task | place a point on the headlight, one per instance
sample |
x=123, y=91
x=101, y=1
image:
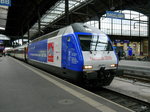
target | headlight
x=114, y=65
x=87, y=67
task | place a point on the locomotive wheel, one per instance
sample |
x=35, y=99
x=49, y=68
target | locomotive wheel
x=90, y=84
x=106, y=78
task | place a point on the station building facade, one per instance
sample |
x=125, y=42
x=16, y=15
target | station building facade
x=130, y=33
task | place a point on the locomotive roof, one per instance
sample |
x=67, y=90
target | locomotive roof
x=81, y=27
x=76, y=27
x=22, y=46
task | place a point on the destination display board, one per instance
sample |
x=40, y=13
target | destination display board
x=5, y=2
x=115, y=15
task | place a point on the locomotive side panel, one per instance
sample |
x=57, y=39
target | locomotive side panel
x=72, y=58
x=54, y=51
x=37, y=51
x=46, y=51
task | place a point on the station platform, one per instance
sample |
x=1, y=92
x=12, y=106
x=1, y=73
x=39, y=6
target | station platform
x=138, y=90
x=136, y=64
x=24, y=88
x=140, y=68
x=133, y=88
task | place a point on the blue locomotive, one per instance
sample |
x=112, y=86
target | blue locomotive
x=78, y=52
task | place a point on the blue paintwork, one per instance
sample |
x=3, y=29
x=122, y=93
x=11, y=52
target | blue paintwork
x=72, y=57
x=130, y=53
x=38, y=51
x=5, y=2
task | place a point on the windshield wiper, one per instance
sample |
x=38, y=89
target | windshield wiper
x=96, y=42
x=109, y=47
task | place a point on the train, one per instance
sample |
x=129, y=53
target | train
x=76, y=52
x=1, y=53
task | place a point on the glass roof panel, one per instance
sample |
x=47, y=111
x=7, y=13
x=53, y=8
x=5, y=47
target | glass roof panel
x=3, y=16
x=57, y=10
x=46, y=20
x=44, y=23
x=4, y=37
x=62, y=5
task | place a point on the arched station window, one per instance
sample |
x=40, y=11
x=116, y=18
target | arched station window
x=134, y=24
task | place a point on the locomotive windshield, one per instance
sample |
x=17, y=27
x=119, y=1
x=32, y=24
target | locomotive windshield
x=95, y=43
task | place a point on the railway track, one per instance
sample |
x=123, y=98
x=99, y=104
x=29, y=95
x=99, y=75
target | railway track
x=126, y=101
x=136, y=78
x=121, y=99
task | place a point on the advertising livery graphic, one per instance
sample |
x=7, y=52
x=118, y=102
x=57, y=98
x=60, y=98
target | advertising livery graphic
x=38, y=51
x=51, y=52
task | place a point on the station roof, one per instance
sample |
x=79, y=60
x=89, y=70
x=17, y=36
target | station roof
x=3, y=17
x=23, y=14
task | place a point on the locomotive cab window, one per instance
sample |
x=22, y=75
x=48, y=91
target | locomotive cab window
x=95, y=43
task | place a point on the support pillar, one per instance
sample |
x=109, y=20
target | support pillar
x=141, y=53
x=149, y=37
x=39, y=22
x=22, y=39
x=22, y=35
x=28, y=34
x=99, y=22
x=111, y=26
x=18, y=41
x=11, y=43
x=67, y=12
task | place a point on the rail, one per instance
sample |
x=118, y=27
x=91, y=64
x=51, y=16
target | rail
x=126, y=101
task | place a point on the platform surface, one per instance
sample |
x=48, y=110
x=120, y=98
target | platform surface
x=136, y=64
x=24, y=88
x=131, y=88
x=140, y=68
